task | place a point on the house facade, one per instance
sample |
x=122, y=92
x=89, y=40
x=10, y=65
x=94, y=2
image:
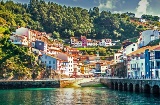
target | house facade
x=41, y=45
x=84, y=41
x=19, y=40
x=49, y=61
x=144, y=62
x=68, y=58
x=117, y=57
x=148, y=36
x=129, y=49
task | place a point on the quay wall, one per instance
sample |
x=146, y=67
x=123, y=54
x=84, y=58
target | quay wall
x=18, y=84
x=29, y=84
x=133, y=85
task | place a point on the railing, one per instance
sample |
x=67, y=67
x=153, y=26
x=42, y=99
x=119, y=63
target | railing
x=155, y=67
x=131, y=78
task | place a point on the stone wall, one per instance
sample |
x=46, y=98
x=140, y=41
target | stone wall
x=29, y=84
x=133, y=85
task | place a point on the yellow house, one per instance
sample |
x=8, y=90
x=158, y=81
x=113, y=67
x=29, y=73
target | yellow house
x=84, y=69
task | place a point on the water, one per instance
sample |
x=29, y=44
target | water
x=74, y=96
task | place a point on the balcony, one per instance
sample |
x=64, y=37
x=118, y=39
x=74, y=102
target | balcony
x=135, y=69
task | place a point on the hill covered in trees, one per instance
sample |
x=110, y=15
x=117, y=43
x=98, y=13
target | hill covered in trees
x=64, y=22
x=16, y=62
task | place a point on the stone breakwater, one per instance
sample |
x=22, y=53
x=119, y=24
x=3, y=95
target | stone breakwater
x=18, y=84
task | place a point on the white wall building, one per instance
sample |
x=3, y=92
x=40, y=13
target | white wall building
x=148, y=36
x=69, y=59
x=117, y=57
x=129, y=49
x=19, y=40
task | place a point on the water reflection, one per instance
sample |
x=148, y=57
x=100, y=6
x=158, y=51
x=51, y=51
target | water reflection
x=74, y=96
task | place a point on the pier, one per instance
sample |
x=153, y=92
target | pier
x=133, y=85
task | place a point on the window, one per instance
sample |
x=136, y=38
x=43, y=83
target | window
x=53, y=62
x=45, y=61
x=49, y=62
x=132, y=49
x=133, y=44
x=46, y=57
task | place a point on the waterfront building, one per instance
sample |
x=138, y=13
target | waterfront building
x=155, y=62
x=144, y=62
x=68, y=58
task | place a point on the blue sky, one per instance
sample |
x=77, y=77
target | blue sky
x=137, y=6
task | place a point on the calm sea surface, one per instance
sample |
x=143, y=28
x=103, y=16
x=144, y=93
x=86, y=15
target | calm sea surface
x=74, y=96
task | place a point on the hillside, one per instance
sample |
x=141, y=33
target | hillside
x=16, y=61
x=64, y=22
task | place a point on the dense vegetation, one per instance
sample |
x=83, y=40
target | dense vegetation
x=64, y=22
x=154, y=42
x=15, y=61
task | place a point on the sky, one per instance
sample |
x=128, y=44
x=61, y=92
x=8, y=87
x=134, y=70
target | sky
x=139, y=7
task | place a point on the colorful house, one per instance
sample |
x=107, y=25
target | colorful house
x=49, y=61
x=84, y=41
x=40, y=45
x=144, y=62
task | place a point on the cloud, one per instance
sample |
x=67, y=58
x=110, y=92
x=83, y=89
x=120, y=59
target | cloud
x=107, y=4
x=142, y=8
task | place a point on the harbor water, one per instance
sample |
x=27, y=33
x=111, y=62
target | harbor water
x=74, y=96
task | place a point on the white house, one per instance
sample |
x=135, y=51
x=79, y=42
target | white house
x=19, y=40
x=117, y=57
x=129, y=49
x=148, y=36
x=68, y=58
x=144, y=62
x=102, y=42
x=92, y=42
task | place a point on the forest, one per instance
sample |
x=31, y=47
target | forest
x=65, y=21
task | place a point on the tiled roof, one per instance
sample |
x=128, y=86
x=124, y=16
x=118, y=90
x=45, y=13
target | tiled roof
x=141, y=50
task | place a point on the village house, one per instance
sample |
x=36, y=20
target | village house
x=92, y=42
x=117, y=57
x=129, y=49
x=147, y=36
x=49, y=61
x=19, y=40
x=105, y=42
x=40, y=45
x=144, y=62
x=68, y=58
